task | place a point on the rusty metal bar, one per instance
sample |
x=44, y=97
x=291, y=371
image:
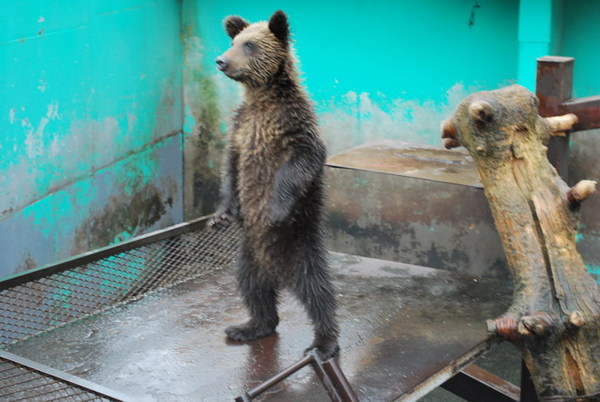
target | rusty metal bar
x=340, y=382
x=476, y=384
x=329, y=372
x=586, y=109
x=333, y=379
x=285, y=373
x=554, y=85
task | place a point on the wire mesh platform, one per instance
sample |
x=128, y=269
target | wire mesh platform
x=25, y=380
x=32, y=304
x=405, y=329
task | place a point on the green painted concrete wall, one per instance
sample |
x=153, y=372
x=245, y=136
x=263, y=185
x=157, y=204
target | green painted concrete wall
x=90, y=123
x=393, y=70
x=114, y=118
x=383, y=69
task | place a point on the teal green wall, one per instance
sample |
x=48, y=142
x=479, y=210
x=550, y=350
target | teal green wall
x=375, y=70
x=383, y=69
x=90, y=116
x=395, y=70
x=114, y=118
x=581, y=39
x=540, y=28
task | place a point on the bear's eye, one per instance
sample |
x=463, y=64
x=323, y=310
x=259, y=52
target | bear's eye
x=249, y=45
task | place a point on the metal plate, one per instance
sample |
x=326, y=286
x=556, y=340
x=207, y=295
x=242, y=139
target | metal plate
x=405, y=330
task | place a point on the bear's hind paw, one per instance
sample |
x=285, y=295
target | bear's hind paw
x=326, y=350
x=246, y=332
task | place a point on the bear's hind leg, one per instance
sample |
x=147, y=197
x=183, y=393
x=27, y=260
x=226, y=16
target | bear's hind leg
x=260, y=298
x=315, y=291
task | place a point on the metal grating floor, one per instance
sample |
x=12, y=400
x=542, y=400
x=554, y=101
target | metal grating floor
x=85, y=286
x=403, y=341
x=34, y=307
x=21, y=383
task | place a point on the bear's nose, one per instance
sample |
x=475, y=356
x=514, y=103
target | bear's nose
x=221, y=63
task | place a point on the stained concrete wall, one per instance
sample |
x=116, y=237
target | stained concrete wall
x=91, y=118
x=392, y=70
x=579, y=39
x=115, y=118
x=383, y=69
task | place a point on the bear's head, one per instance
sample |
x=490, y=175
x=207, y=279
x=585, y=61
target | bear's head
x=258, y=51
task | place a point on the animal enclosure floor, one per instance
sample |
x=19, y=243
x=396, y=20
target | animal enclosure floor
x=405, y=329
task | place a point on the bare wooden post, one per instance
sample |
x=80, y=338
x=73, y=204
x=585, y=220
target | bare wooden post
x=555, y=315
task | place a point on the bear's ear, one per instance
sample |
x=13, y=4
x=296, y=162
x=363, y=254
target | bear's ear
x=278, y=24
x=234, y=25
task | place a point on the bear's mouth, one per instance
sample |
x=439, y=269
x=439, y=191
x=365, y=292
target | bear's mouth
x=231, y=73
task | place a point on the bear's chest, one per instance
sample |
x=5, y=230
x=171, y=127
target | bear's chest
x=262, y=151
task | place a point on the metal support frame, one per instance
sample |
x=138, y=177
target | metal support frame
x=554, y=85
x=329, y=372
x=476, y=384
x=528, y=393
x=99, y=391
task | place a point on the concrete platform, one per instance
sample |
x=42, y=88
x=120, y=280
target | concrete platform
x=405, y=330
x=416, y=204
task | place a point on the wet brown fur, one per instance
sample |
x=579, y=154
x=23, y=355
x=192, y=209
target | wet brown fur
x=272, y=183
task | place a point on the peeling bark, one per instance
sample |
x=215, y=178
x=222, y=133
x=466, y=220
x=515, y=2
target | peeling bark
x=555, y=315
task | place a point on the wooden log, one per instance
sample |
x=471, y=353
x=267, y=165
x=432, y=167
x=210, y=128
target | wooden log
x=555, y=315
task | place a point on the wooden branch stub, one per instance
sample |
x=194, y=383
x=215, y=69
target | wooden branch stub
x=539, y=324
x=581, y=191
x=576, y=319
x=448, y=130
x=481, y=112
x=559, y=125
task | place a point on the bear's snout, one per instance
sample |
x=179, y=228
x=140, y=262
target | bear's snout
x=221, y=63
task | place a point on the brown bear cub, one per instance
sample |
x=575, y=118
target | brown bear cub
x=273, y=184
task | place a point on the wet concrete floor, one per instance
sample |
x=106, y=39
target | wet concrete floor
x=401, y=325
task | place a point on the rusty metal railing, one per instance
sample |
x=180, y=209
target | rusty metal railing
x=329, y=372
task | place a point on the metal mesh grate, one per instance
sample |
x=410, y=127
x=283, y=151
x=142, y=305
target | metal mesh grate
x=40, y=305
x=21, y=383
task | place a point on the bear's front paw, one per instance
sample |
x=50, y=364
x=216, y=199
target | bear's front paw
x=220, y=220
x=248, y=332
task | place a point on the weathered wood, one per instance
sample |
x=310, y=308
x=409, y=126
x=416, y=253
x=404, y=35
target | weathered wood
x=559, y=125
x=555, y=315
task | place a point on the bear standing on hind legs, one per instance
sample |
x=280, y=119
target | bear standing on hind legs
x=273, y=183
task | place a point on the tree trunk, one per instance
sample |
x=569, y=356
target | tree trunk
x=555, y=315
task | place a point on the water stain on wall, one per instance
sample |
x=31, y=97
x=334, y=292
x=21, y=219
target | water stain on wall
x=122, y=217
x=27, y=264
x=204, y=133
x=415, y=221
x=357, y=118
